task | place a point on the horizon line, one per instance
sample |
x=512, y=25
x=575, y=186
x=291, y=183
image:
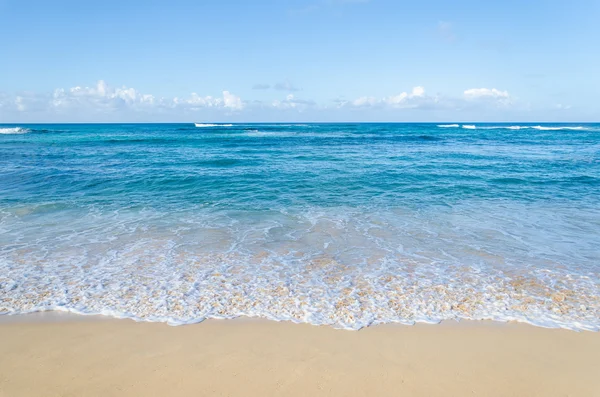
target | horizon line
x=303, y=122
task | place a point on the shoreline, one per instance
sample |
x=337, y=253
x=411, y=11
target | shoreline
x=58, y=316
x=53, y=316
x=99, y=356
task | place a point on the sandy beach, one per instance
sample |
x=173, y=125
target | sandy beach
x=80, y=356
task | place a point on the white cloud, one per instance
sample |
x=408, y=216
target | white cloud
x=418, y=91
x=21, y=107
x=231, y=101
x=489, y=96
x=403, y=100
x=477, y=93
x=291, y=102
x=102, y=102
x=196, y=102
x=102, y=96
x=26, y=102
x=563, y=107
x=365, y=101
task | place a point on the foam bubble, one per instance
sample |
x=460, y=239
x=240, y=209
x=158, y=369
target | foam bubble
x=448, y=125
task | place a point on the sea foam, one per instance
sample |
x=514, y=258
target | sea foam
x=14, y=130
x=337, y=266
x=558, y=128
x=199, y=125
x=515, y=127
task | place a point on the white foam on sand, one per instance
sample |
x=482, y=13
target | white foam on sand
x=340, y=267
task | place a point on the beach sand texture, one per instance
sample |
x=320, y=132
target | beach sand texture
x=263, y=358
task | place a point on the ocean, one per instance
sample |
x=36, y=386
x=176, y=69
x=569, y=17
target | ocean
x=346, y=225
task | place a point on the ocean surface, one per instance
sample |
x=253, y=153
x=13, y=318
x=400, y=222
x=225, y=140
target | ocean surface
x=340, y=224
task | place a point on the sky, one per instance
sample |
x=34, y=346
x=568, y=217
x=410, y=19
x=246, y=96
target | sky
x=299, y=60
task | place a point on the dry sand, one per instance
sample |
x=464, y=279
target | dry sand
x=261, y=358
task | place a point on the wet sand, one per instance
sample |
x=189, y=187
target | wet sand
x=81, y=356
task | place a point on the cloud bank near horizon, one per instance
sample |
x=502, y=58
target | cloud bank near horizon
x=103, y=102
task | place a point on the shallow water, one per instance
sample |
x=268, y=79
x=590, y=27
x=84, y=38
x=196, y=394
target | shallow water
x=340, y=224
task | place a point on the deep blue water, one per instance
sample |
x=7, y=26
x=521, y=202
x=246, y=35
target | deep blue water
x=342, y=224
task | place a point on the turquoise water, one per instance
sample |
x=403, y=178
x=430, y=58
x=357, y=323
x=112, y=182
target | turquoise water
x=340, y=224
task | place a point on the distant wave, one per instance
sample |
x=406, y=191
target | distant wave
x=199, y=125
x=545, y=128
x=515, y=127
x=448, y=125
x=503, y=127
x=14, y=130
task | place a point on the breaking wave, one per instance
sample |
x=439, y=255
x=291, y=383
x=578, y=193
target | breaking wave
x=14, y=130
x=548, y=128
x=199, y=125
x=515, y=127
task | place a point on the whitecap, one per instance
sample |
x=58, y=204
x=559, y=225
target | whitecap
x=469, y=127
x=558, y=128
x=14, y=130
x=448, y=125
x=200, y=125
x=503, y=127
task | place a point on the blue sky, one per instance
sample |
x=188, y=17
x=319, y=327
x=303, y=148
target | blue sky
x=299, y=60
